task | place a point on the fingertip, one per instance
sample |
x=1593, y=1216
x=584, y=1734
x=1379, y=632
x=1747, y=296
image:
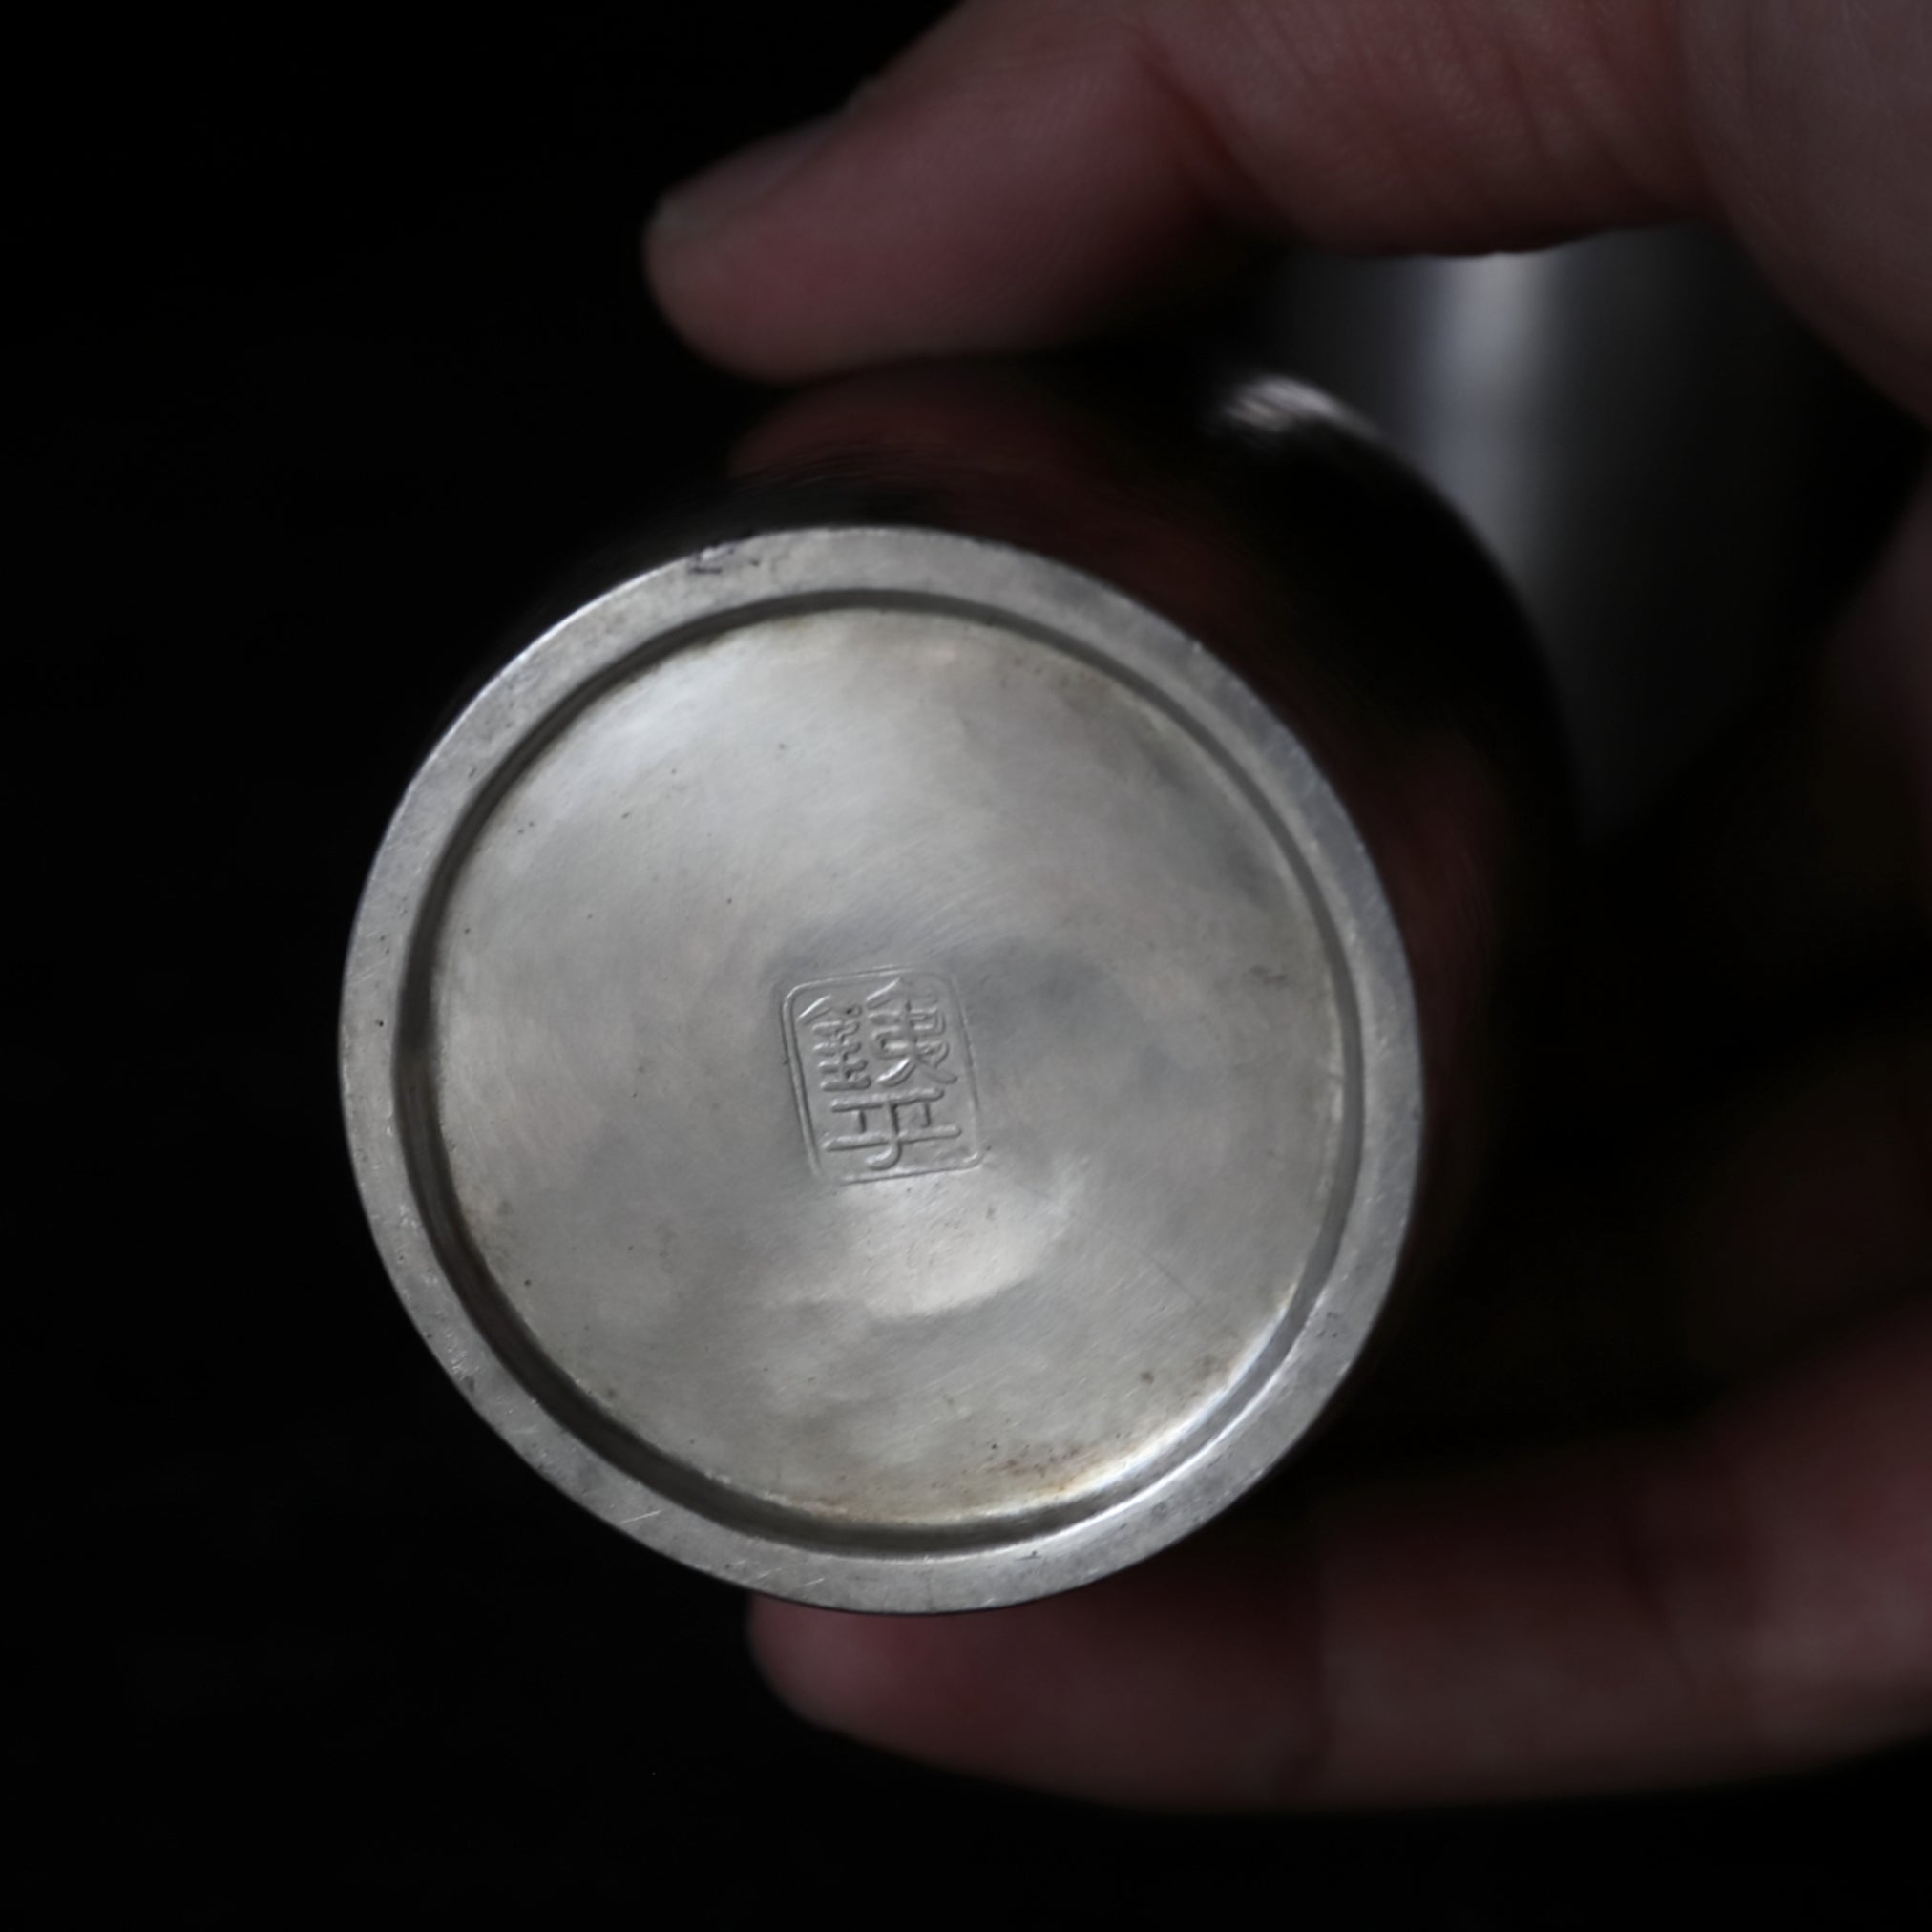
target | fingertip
x=1180, y=1684
x=952, y=213
x=914, y=1684
x=825, y=1666
x=704, y=301
x=731, y=256
x=714, y=199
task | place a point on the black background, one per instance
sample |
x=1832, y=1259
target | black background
x=340, y=335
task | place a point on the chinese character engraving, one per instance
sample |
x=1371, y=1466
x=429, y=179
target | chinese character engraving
x=883, y=1076
x=908, y=1032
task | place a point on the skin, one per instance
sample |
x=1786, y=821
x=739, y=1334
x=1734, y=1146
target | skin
x=1743, y=1590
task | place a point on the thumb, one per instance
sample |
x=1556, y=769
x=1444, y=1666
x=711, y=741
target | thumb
x=1031, y=164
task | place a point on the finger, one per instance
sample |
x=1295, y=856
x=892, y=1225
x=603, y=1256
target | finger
x=1753, y=1596
x=1032, y=163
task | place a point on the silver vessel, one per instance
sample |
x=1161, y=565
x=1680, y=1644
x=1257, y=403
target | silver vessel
x=897, y=1049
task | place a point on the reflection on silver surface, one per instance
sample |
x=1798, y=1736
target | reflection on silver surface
x=1620, y=420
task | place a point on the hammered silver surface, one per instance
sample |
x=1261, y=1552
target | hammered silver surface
x=649, y=1003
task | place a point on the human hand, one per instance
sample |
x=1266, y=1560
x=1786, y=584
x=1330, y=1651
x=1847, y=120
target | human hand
x=1742, y=1593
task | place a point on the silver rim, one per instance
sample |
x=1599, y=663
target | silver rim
x=656, y=613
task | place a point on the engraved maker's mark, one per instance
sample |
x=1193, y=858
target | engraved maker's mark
x=884, y=1082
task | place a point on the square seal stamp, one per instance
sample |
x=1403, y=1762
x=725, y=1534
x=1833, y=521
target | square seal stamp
x=883, y=1075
